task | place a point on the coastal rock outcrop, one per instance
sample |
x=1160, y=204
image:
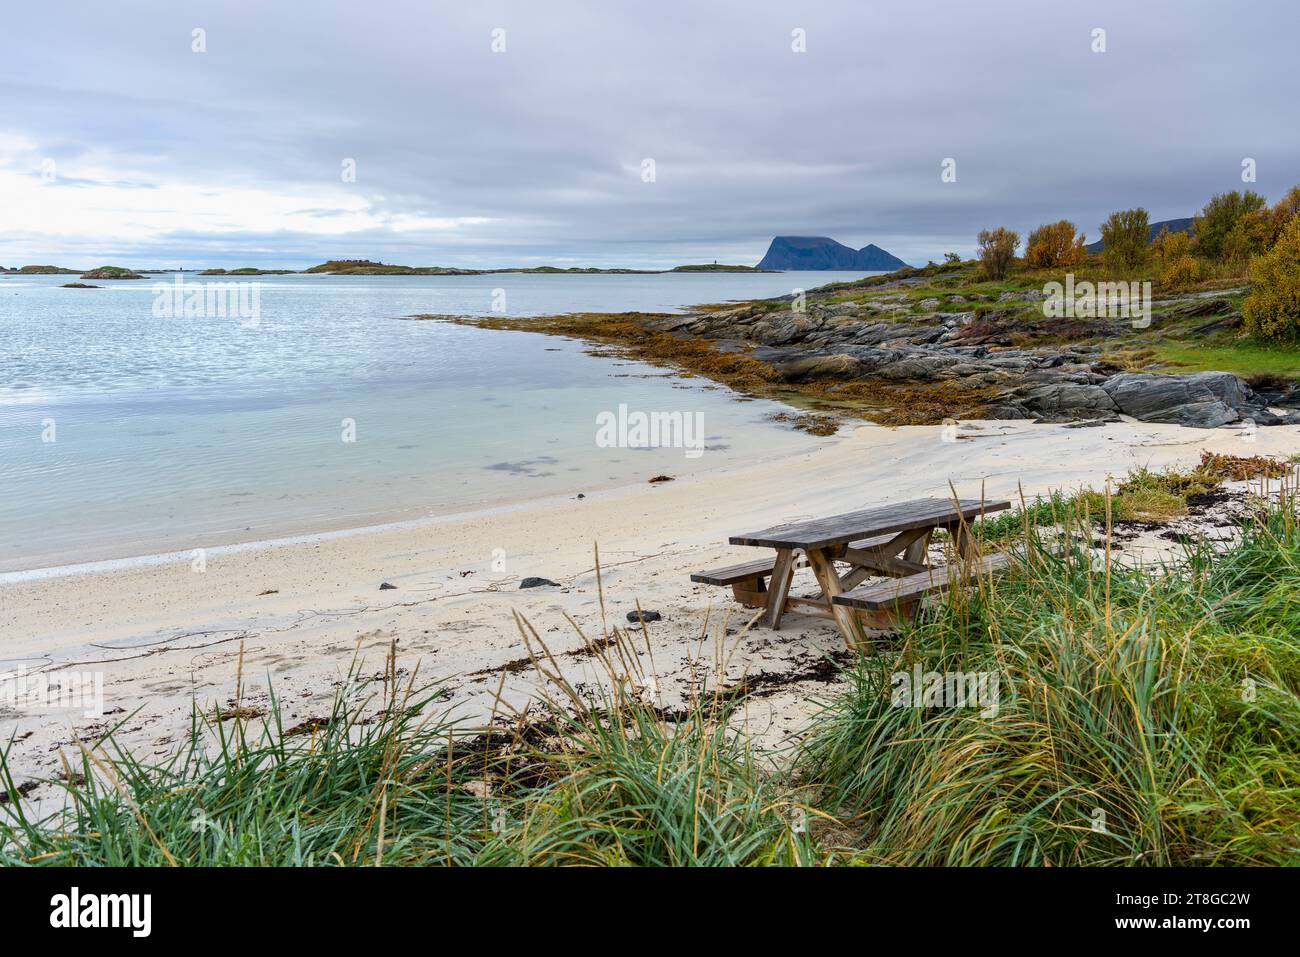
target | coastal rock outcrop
x=1066, y=401
x=1205, y=400
x=925, y=346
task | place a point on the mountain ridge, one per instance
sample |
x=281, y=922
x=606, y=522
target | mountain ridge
x=822, y=252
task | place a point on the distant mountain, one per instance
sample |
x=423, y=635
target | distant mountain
x=1175, y=226
x=822, y=252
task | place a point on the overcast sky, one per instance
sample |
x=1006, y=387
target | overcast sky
x=119, y=144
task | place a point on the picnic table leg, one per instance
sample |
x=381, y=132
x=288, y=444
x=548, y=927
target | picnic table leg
x=918, y=550
x=779, y=587
x=846, y=618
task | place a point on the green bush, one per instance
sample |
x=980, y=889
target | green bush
x=1221, y=215
x=1125, y=236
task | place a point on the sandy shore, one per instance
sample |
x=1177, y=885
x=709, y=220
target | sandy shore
x=165, y=635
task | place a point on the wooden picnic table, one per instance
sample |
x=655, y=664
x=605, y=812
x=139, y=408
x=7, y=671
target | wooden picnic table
x=890, y=540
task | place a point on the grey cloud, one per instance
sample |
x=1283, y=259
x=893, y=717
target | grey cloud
x=545, y=141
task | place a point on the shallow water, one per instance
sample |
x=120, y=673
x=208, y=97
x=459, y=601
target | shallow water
x=125, y=432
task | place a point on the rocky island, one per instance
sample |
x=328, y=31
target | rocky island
x=822, y=252
x=111, y=272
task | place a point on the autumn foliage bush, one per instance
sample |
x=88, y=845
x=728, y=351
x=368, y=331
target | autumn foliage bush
x=997, y=249
x=1272, y=310
x=1055, y=245
x=1176, y=266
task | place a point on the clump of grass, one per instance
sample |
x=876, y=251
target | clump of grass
x=1005, y=526
x=361, y=788
x=1142, y=495
x=1146, y=716
x=611, y=779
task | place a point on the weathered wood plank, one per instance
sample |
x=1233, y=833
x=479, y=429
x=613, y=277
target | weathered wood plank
x=845, y=618
x=809, y=606
x=762, y=567
x=732, y=574
x=883, y=520
x=894, y=591
x=782, y=573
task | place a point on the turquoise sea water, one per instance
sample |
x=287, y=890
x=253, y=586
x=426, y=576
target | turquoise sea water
x=124, y=432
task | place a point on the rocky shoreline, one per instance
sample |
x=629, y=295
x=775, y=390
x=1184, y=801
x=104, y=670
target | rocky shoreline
x=902, y=349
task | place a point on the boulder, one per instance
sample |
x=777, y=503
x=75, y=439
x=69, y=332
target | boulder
x=1205, y=400
x=1068, y=399
x=1007, y=410
x=834, y=366
x=918, y=366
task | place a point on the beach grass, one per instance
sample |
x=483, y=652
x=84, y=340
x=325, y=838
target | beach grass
x=1145, y=716
x=611, y=780
x=1142, y=716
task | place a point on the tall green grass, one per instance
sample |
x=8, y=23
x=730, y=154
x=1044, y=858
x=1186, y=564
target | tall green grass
x=611, y=780
x=1146, y=716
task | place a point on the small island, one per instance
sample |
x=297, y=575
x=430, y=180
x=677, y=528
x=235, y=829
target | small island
x=248, y=271
x=367, y=267
x=111, y=272
x=47, y=271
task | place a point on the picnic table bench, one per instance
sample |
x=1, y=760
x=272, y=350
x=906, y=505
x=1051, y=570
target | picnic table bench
x=888, y=541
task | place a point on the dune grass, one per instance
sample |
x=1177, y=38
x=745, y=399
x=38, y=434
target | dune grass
x=610, y=780
x=1143, y=716
x=1146, y=717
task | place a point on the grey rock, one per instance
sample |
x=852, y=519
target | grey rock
x=644, y=615
x=1205, y=400
x=534, y=582
x=916, y=367
x=837, y=365
x=1007, y=410
x=1067, y=397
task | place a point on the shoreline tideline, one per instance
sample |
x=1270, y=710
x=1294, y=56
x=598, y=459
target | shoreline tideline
x=292, y=617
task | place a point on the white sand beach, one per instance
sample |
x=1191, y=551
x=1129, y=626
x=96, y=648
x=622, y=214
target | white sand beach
x=165, y=635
